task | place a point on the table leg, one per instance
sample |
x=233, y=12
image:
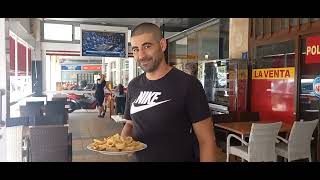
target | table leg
x=242, y=137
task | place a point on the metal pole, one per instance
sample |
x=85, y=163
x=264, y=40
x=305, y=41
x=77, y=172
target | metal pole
x=2, y=92
x=0, y=105
x=318, y=135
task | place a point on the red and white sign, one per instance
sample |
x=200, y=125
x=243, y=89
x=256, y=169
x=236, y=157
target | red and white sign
x=92, y=68
x=313, y=50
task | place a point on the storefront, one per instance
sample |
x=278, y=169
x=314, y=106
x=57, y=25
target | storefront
x=203, y=51
x=20, y=68
x=279, y=44
x=79, y=74
x=285, y=61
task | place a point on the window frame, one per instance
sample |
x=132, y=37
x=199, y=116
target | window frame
x=74, y=24
x=74, y=33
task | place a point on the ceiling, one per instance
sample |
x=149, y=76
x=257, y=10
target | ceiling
x=170, y=24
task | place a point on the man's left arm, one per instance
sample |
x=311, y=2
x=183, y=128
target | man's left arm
x=204, y=131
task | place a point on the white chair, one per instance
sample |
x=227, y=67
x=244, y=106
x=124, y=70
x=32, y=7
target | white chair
x=16, y=144
x=298, y=146
x=261, y=146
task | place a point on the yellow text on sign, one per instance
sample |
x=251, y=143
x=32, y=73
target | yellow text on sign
x=273, y=73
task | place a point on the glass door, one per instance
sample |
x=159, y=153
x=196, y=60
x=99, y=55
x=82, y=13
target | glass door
x=309, y=103
x=220, y=82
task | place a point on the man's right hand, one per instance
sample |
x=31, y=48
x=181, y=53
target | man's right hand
x=127, y=129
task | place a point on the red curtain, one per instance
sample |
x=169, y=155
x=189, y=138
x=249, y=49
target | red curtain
x=12, y=55
x=21, y=60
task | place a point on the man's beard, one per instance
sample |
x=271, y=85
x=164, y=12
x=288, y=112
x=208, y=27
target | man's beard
x=153, y=66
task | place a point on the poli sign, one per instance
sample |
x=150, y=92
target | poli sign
x=316, y=86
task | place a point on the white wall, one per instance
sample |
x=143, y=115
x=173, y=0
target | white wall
x=168, y=34
x=59, y=46
x=3, y=85
x=20, y=28
x=3, y=66
x=25, y=23
x=238, y=37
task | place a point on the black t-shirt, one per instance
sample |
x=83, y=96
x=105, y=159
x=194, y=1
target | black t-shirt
x=162, y=112
x=99, y=89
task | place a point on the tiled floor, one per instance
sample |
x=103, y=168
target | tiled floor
x=85, y=126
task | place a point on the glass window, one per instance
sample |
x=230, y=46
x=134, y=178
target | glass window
x=178, y=51
x=113, y=65
x=218, y=78
x=124, y=64
x=58, y=32
x=266, y=25
x=259, y=26
x=113, y=78
x=77, y=33
x=304, y=20
x=124, y=80
x=275, y=55
x=308, y=101
x=69, y=76
x=209, y=43
x=193, y=47
x=276, y=23
x=139, y=71
x=293, y=22
x=284, y=23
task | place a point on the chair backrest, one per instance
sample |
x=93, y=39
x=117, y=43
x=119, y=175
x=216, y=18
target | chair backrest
x=58, y=119
x=17, y=121
x=33, y=108
x=55, y=107
x=23, y=111
x=249, y=116
x=49, y=144
x=14, y=138
x=262, y=141
x=299, y=142
x=59, y=98
x=36, y=121
x=35, y=103
x=56, y=112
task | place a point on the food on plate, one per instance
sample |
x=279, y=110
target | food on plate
x=116, y=143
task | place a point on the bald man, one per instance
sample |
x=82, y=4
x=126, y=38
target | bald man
x=165, y=106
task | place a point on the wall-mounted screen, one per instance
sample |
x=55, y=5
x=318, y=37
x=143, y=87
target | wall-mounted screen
x=103, y=44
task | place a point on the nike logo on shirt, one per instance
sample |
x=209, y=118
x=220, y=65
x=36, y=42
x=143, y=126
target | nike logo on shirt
x=135, y=109
x=146, y=98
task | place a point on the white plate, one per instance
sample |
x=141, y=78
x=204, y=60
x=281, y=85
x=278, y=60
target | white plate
x=119, y=152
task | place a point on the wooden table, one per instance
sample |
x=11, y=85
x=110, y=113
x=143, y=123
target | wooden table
x=244, y=128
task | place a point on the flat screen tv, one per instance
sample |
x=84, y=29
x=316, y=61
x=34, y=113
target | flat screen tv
x=103, y=44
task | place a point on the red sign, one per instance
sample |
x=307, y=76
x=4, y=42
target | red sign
x=313, y=50
x=92, y=68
